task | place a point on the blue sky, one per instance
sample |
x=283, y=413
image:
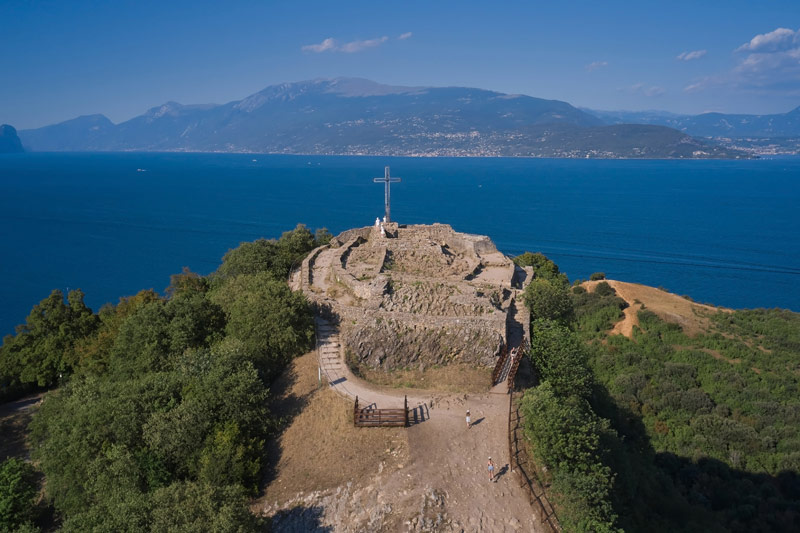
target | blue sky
x=62, y=59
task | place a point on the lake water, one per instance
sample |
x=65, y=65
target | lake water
x=724, y=232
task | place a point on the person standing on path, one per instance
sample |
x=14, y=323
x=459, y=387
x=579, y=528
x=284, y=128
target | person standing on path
x=469, y=420
x=490, y=466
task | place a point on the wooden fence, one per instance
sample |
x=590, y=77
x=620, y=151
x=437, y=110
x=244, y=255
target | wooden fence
x=500, y=362
x=521, y=352
x=373, y=417
x=519, y=461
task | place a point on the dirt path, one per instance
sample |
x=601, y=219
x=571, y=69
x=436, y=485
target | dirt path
x=14, y=419
x=437, y=481
x=691, y=316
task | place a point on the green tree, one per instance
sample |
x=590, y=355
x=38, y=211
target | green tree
x=228, y=458
x=191, y=507
x=43, y=348
x=560, y=358
x=548, y=299
x=18, y=488
x=273, y=323
x=542, y=266
x=322, y=236
x=143, y=342
x=293, y=246
x=566, y=434
x=186, y=282
x=94, y=351
x=248, y=258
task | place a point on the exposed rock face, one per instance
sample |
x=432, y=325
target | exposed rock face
x=394, y=343
x=420, y=295
x=9, y=142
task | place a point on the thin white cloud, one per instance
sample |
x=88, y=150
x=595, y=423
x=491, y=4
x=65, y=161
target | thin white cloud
x=699, y=85
x=327, y=44
x=774, y=41
x=357, y=46
x=596, y=65
x=649, y=91
x=331, y=45
x=695, y=54
x=404, y=36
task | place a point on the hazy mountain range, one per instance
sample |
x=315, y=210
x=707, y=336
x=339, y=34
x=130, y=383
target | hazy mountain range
x=715, y=125
x=356, y=116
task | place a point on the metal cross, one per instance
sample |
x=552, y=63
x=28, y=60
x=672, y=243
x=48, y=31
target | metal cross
x=386, y=179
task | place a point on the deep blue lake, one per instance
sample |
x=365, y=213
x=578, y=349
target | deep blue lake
x=723, y=232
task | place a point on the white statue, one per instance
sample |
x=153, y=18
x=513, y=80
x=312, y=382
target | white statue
x=377, y=222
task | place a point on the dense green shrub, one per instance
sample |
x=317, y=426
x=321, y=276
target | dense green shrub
x=597, y=276
x=274, y=256
x=697, y=433
x=542, y=267
x=560, y=358
x=566, y=435
x=273, y=323
x=18, y=489
x=549, y=300
x=716, y=418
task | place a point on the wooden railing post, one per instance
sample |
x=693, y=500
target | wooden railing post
x=405, y=405
x=510, y=447
x=355, y=412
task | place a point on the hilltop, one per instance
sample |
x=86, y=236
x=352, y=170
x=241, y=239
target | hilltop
x=227, y=405
x=350, y=116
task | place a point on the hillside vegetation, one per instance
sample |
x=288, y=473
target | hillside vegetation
x=159, y=419
x=664, y=431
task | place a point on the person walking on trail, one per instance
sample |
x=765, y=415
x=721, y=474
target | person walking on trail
x=490, y=467
x=469, y=420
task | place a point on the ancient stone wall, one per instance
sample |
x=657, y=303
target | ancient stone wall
x=391, y=341
x=420, y=295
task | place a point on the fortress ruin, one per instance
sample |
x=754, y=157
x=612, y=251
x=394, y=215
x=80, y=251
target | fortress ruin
x=417, y=295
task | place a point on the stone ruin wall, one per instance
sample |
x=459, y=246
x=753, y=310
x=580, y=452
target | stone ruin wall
x=401, y=340
x=394, y=339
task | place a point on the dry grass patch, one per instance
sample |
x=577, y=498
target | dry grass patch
x=692, y=317
x=320, y=448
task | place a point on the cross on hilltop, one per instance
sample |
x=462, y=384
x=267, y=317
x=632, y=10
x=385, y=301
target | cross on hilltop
x=386, y=179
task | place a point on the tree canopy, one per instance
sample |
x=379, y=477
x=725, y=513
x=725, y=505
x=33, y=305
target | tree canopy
x=160, y=420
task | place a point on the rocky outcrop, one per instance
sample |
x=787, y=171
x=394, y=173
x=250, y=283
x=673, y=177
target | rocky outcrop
x=390, y=342
x=9, y=141
x=415, y=295
x=351, y=510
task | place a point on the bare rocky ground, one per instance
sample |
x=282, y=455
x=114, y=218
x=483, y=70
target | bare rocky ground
x=331, y=476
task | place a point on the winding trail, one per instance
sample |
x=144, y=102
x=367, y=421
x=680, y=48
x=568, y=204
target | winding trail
x=339, y=377
x=447, y=456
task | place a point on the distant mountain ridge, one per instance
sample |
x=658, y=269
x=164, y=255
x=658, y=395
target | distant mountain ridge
x=354, y=116
x=712, y=124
